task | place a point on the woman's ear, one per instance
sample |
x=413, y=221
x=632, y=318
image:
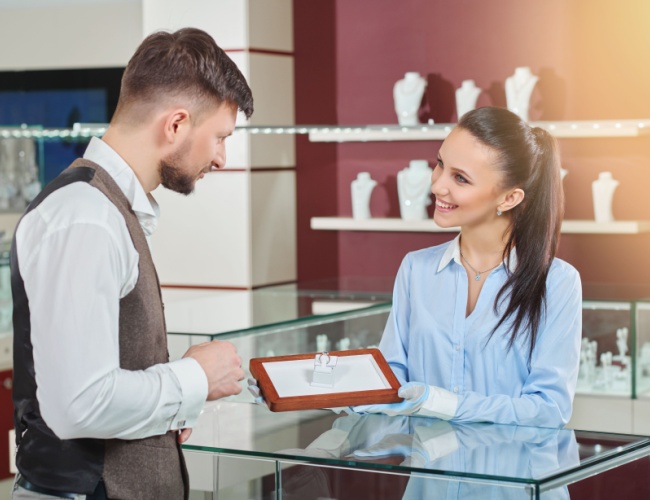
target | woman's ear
x=511, y=200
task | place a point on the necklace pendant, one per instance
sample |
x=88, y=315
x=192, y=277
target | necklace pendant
x=478, y=277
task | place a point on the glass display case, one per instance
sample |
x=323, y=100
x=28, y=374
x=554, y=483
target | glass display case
x=342, y=314
x=353, y=329
x=241, y=450
x=313, y=314
x=6, y=309
x=615, y=350
x=21, y=175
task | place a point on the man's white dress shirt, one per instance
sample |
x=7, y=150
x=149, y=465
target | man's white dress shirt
x=77, y=261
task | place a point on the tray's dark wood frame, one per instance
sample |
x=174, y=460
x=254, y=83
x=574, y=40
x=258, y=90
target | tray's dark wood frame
x=375, y=396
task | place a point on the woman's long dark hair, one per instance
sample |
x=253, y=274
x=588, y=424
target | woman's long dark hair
x=528, y=157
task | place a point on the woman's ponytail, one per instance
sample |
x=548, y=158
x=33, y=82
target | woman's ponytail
x=529, y=159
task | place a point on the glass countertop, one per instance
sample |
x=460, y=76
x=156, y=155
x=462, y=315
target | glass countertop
x=542, y=458
x=217, y=312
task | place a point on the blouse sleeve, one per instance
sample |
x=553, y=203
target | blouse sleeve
x=547, y=394
x=394, y=341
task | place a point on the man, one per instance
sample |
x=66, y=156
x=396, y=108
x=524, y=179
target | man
x=99, y=410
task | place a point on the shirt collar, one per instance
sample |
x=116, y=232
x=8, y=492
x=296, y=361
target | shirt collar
x=452, y=252
x=101, y=153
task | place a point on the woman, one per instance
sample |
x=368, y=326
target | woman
x=487, y=327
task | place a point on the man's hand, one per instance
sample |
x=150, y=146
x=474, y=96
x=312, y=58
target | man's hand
x=184, y=435
x=222, y=367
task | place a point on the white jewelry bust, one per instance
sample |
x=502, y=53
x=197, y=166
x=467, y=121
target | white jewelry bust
x=621, y=343
x=361, y=189
x=407, y=94
x=519, y=88
x=466, y=97
x=413, y=189
x=603, y=192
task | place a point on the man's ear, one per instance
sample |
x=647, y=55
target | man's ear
x=176, y=124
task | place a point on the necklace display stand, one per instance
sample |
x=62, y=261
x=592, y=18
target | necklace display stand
x=603, y=192
x=519, y=88
x=361, y=189
x=413, y=189
x=407, y=94
x=466, y=97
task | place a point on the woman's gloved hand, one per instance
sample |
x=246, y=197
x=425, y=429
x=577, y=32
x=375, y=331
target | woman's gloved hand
x=419, y=399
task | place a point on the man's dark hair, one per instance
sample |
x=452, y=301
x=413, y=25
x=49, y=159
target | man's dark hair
x=185, y=63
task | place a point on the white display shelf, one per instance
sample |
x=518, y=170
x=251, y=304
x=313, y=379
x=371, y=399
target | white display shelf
x=363, y=133
x=372, y=133
x=560, y=129
x=615, y=227
x=387, y=224
x=428, y=226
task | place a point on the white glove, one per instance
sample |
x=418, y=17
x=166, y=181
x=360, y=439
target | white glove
x=255, y=391
x=419, y=399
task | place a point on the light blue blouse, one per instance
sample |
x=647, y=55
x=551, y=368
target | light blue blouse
x=429, y=339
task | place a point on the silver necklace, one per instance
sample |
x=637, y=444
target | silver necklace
x=415, y=190
x=478, y=273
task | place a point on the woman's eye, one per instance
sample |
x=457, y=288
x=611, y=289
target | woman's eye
x=439, y=163
x=461, y=179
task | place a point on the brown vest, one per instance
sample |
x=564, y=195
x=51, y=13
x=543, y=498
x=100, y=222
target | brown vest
x=151, y=468
x=148, y=469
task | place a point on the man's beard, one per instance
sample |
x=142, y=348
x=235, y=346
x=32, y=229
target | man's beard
x=172, y=178
x=171, y=175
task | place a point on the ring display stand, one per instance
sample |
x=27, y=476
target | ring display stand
x=362, y=377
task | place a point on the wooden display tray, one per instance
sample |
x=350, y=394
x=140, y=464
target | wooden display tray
x=284, y=381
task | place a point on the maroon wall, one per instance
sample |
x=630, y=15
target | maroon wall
x=316, y=175
x=590, y=56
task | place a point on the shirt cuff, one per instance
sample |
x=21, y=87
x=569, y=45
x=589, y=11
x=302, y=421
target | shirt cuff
x=439, y=404
x=194, y=392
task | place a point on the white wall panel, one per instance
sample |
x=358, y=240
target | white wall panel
x=204, y=239
x=273, y=150
x=234, y=24
x=225, y=20
x=69, y=36
x=273, y=230
x=641, y=417
x=207, y=311
x=271, y=24
x=271, y=79
x=604, y=414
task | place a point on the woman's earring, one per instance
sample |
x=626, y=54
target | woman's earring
x=499, y=213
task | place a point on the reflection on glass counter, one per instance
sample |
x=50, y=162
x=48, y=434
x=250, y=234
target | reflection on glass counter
x=375, y=456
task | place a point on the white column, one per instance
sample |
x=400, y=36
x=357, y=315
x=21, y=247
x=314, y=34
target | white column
x=239, y=228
